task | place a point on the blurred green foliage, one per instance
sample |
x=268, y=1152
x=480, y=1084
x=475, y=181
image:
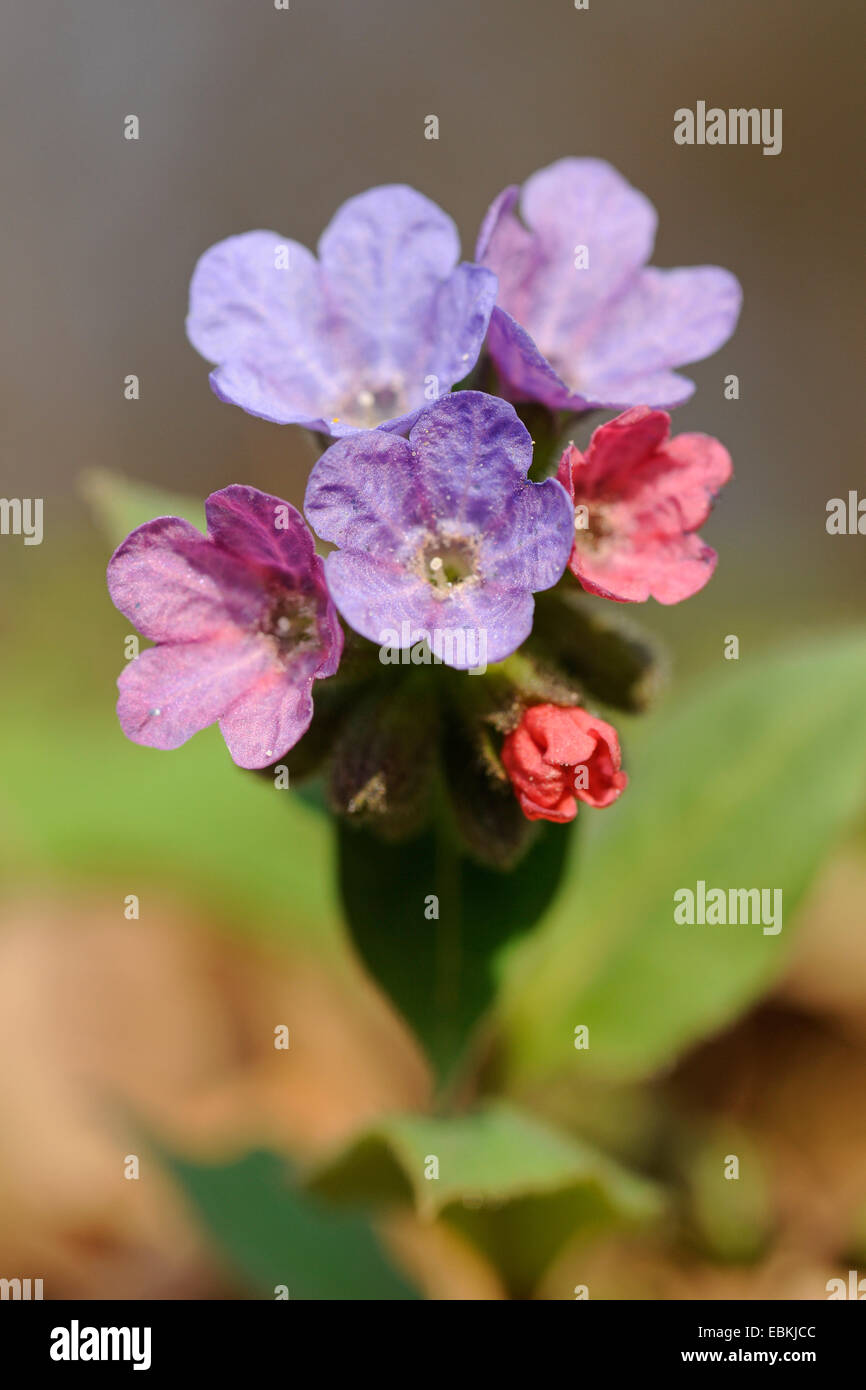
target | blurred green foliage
x=747, y=783
x=275, y=1236
x=728, y=1196
x=120, y=504
x=516, y=1188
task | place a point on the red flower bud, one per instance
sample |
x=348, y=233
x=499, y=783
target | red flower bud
x=558, y=756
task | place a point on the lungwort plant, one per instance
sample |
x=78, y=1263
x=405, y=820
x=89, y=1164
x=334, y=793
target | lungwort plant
x=434, y=654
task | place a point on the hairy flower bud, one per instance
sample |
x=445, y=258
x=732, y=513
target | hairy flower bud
x=486, y=815
x=382, y=764
x=597, y=649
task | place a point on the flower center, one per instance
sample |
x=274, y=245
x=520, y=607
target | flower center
x=566, y=365
x=447, y=563
x=373, y=404
x=290, y=622
x=592, y=524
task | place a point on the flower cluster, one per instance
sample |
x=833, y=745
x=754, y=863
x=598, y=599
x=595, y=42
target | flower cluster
x=451, y=538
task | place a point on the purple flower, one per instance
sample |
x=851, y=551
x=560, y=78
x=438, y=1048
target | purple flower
x=580, y=322
x=441, y=536
x=381, y=324
x=242, y=621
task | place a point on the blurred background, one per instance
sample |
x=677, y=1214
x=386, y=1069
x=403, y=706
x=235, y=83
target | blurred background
x=257, y=117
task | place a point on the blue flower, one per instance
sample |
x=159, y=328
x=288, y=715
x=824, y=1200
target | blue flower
x=383, y=323
x=441, y=534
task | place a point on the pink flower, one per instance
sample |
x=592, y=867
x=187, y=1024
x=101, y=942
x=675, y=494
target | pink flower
x=558, y=756
x=242, y=622
x=639, y=498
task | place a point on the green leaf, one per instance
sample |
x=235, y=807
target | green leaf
x=121, y=504
x=146, y=821
x=441, y=973
x=516, y=1188
x=274, y=1234
x=728, y=1212
x=747, y=786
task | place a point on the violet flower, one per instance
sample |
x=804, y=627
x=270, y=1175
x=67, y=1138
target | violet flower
x=580, y=322
x=242, y=621
x=383, y=323
x=443, y=534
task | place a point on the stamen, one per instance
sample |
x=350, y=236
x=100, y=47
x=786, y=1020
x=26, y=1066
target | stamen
x=290, y=622
x=375, y=403
x=448, y=563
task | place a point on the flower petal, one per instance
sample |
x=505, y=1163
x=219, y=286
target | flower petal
x=543, y=792
x=463, y=463
x=354, y=341
x=530, y=545
x=667, y=317
x=572, y=203
x=472, y=451
x=668, y=569
x=268, y=719
x=699, y=467
x=390, y=261
x=257, y=307
x=526, y=373
x=500, y=619
x=264, y=531
x=277, y=388
x=385, y=253
x=617, y=449
x=376, y=595
x=363, y=491
x=169, y=693
x=583, y=202
x=504, y=242
x=560, y=737
x=249, y=287
x=174, y=584
x=464, y=303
